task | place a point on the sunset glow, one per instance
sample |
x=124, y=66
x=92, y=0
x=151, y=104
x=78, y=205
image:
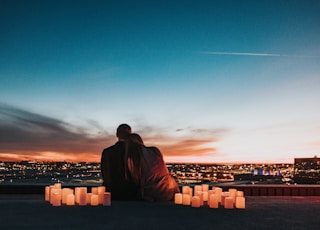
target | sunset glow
x=204, y=81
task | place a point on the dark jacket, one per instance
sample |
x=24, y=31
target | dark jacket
x=113, y=173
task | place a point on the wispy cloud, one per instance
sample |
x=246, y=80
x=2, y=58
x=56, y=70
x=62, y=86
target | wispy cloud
x=259, y=54
x=192, y=142
x=26, y=133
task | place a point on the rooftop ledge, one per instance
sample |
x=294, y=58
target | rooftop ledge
x=248, y=189
x=261, y=212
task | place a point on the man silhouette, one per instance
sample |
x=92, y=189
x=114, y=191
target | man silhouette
x=113, y=168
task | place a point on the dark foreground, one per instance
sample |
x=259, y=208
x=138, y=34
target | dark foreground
x=262, y=212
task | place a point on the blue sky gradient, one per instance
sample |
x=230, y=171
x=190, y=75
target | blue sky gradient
x=205, y=81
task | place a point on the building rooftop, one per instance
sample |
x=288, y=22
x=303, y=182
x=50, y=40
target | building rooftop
x=30, y=211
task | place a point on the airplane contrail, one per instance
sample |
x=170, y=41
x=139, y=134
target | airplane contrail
x=258, y=54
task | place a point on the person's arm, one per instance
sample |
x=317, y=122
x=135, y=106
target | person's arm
x=105, y=170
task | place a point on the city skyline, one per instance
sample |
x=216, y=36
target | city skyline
x=205, y=81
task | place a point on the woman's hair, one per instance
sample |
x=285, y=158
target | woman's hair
x=133, y=155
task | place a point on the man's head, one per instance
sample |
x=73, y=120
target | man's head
x=123, y=130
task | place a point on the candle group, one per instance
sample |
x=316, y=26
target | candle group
x=214, y=197
x=58, y=196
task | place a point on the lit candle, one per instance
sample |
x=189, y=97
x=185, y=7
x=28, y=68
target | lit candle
x=77, y=195
x=94, y=190
x=56, y=198
x=185, y=189
x=233, y=193
x=56, y=191
x=65, y=192
x=51, y=187
x=211, y=192
x=218, y=191
x=186, y=199
x=94, y=200
x=200, y=195
x=228, y=203
x=89, y=198
x=205, y=187
x=205, y=196
x=240, y=202
x=224, y=195
x=83, y=196
x=213, y=201
x=70, y=199
x=101, y=190
x=178, y=198
x=47, y=193
x=195, y=202
x=197, y=188
x=106, y=199
x=57, y=185
x=240, y=194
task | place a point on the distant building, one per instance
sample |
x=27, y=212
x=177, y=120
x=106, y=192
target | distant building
x=307, y=170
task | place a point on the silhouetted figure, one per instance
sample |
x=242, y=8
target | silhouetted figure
x=145, y=165
x=113, y=168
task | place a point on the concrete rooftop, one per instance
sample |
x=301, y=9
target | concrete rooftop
x=30, y=211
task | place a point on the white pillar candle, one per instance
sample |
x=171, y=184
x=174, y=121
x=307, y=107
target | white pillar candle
x=185, y=189
x=101, y=190
x=56, y=198
x=200, y=195
x=94, y=190
x=54, y=190
x=195, y=202
x=51, y=187
x=233, y=193
x=218, y=191
x=83, y=196
x=211, y=192
x=89, y=198
x=197, y=188
x=186, y=199
x=57, y=185
x=178, y=198
x=228, y=203
x=213, y=201
x=240, y=194
x=64, y=194
x=94, y=200
x=77, y=195
x=70, y=199
x=191, y=192
x=205, y=187
x=47, y=193
x=205, y=196
x=240, y=202
x=106, y=199
x=224, y=195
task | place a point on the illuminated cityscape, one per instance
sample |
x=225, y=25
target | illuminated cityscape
x=67, y=172
x=303, y=171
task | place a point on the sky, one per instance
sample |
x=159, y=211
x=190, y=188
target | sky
x=212, y=81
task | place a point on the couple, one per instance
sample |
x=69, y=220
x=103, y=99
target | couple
x=132, y=171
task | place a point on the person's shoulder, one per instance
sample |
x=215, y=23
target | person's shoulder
x=113, y=148
x=154, y=149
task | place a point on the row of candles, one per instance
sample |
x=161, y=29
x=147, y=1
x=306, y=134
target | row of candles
x=214, y=197
x=58, y=196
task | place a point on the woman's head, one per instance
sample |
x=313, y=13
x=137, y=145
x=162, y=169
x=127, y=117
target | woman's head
x=133, y=157
x=134, y=138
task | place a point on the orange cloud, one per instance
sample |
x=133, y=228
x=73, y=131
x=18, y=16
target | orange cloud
x=29, y=136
